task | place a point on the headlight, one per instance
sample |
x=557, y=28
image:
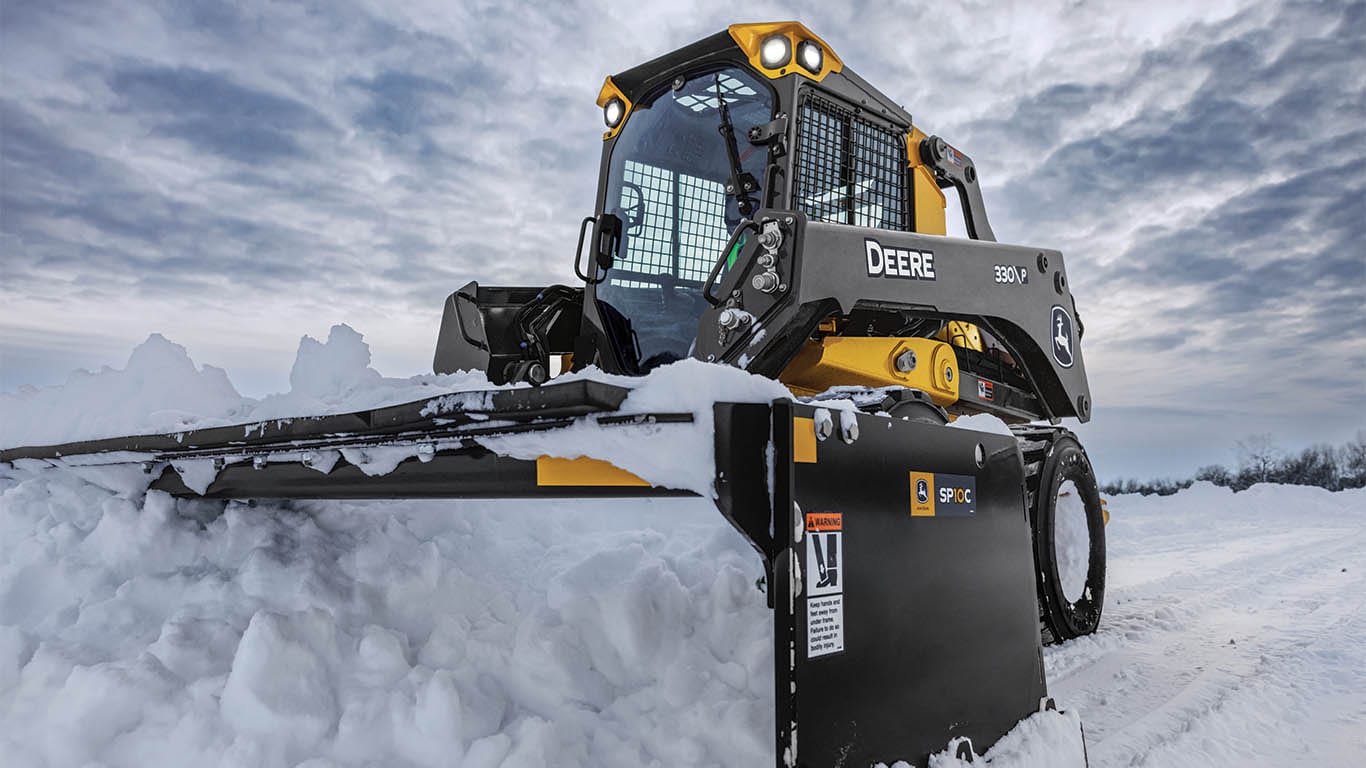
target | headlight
x=775, y=52
x=613, y=111
x=810, y=56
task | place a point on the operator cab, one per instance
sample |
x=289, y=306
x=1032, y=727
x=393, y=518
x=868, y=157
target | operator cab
x=761, y=116
x=667, y=182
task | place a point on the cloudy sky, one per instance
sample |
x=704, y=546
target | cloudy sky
x=237, y=176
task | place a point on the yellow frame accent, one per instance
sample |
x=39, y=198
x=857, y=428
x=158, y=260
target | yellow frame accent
x=608, y=92
x=803, y=440
x=583, y=472
x=870, y=361
x=927, y=197
x=750, y=37
x=962, y=334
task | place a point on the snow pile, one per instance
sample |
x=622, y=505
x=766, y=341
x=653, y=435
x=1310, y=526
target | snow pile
x=328, y=370
x=142, y=630
x=136, y=629
x=162, y=390
x=149, y=631
x=335, y=377
x=1045, y=740
x=1071, y=540
x=669, y=455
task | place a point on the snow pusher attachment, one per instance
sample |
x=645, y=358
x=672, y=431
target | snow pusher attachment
x=898, y=558
x=906, y=605
x=761, y=206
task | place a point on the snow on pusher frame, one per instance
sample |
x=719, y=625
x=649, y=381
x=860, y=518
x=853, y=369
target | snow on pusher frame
x=761, y=206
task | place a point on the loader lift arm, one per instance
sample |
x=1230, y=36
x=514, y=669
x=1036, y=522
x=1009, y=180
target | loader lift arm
x=953, y=168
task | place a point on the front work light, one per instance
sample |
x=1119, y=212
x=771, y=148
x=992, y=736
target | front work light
x=775, y=52
x=810, y=56
x=781, y=48
x=613, y=111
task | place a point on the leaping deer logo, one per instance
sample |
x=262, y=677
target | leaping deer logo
x=1062, y=337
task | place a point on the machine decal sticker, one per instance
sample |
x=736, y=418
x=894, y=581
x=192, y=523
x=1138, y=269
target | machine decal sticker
x=943, y=495
x=825, y=588
x=900, y=263
x=985, y=390
x=1062, y=336
x=1010, y=274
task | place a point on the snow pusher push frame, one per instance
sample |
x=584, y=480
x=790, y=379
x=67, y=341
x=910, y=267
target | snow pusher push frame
x=898, y=557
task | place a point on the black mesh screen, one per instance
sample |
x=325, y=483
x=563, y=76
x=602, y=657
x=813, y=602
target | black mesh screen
x=849, y=170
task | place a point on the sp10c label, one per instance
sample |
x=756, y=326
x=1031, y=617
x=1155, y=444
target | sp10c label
x=943, y=495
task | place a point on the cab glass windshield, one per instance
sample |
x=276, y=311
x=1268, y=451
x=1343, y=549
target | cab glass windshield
x=667, y=183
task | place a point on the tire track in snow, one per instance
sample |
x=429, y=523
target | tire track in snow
x=1161, y=605
x=1266, y=709
x=1163, y=667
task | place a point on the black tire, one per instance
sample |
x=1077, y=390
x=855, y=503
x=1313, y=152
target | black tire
x=1062, y=618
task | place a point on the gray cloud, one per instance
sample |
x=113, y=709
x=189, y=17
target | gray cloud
x=214, y=114
x=236, y=175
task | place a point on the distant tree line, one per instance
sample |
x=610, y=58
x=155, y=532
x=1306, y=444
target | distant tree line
x=1261, y=461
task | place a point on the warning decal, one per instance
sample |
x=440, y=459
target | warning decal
x=986, y=390
x=825, y=588
x=824, y=625
x=824, y=521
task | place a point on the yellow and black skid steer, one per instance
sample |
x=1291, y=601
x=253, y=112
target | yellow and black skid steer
x=761, y=206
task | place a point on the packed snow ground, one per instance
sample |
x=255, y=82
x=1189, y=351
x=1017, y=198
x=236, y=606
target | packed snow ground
x=1234, y=632
x=140, y=630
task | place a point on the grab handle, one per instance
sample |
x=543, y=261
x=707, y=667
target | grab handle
x=744, y=225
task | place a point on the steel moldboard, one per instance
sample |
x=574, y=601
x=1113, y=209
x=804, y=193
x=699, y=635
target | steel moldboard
x=940, y=625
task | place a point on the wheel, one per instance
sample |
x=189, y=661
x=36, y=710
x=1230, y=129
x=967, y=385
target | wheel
x=1069, y=542
x=914, y=405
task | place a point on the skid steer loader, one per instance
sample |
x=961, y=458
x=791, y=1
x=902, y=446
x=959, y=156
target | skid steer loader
x=761, y=206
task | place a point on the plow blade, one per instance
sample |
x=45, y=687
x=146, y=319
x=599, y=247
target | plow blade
x=897, y=553
x=909, y=617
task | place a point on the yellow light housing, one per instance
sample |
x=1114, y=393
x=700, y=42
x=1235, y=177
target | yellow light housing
x=614, y=105
x=760, y=43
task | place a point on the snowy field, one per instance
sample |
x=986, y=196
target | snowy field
x=137, y=630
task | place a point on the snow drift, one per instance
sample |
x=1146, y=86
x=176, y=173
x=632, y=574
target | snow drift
x=162, y=390
x=155, y=632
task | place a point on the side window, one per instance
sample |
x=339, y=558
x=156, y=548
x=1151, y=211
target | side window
x=850, y=170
